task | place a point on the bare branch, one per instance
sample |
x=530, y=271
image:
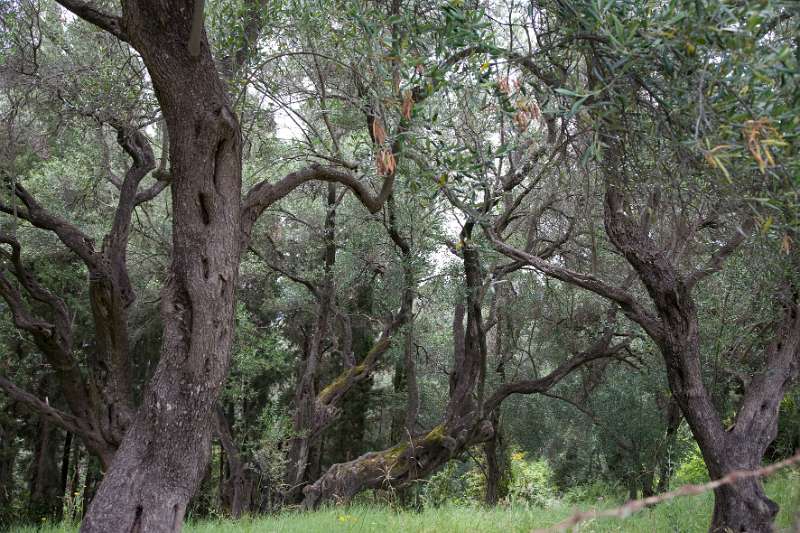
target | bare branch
x=717, y=259
x=64, y=420
x=264, y=194
x=77, y=241
x=600, y=349
x=22, y=317
x=632, y=309
x=145, y=195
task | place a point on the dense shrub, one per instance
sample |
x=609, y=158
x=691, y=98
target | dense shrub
x=464, y=483
x=692, y=469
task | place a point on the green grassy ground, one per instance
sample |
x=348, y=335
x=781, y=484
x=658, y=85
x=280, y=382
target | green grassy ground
x=683, y=515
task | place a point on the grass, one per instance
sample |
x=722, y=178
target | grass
x=682, y=515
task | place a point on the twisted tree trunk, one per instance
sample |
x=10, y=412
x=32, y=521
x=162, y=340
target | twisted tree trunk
x=742, y=506
x=163, y=456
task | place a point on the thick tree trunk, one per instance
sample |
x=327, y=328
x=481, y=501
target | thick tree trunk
x=163, y=456
x=743, y=507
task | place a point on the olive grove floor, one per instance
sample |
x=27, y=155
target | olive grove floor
x=683, y=515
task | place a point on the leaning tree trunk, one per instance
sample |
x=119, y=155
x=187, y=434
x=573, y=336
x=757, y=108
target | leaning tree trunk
x=163, y=456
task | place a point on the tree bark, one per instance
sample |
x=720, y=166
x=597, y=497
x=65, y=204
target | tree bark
x=742, y=506
x=163, y=456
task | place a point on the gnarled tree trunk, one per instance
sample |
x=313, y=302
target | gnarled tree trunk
x=163, y=456
x=741, y=506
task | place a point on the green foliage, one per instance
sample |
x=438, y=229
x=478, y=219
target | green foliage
x=692, y=469
x=704, y=93
x=445, y=486
x=464, y=483
x=787, y=442
x=598, y=491
x=531, y=481
x=689, y=514
x=274, y=429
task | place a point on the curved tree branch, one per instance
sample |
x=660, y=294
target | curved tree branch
x=632, y=309
x=600, y=349
x=264, y=194
x=110, y=23
x=62, y=419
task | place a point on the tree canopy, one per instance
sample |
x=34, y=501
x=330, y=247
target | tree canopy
x=260, y=255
